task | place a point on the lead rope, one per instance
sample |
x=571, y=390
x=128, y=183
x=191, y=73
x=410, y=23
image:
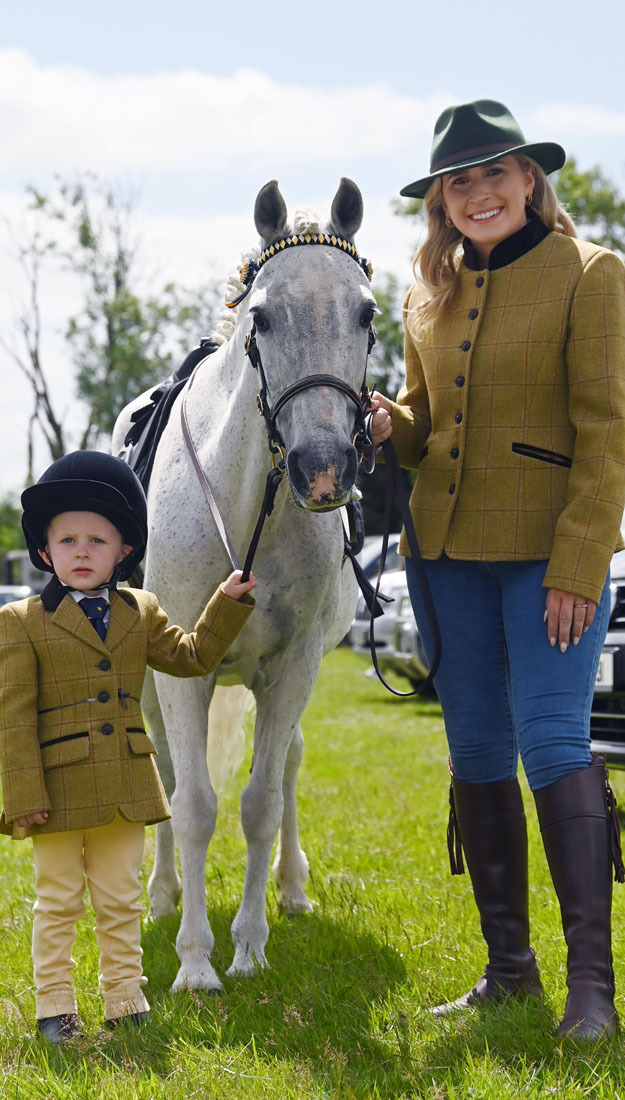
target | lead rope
x=395, y=486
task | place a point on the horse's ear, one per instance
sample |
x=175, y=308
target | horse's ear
x=270, y=212
x=347, y=209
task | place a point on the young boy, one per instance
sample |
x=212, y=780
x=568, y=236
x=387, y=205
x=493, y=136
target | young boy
x=76, y=765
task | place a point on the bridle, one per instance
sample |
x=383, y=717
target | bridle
x=361, y=438
x=361, y=400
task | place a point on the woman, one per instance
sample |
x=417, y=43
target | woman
x=513, y=411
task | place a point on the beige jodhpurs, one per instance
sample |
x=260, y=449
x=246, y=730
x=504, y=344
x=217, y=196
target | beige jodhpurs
x=109, y=857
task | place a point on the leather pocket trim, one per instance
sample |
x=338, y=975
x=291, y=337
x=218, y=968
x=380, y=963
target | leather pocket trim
x=541, y=454
x=60, y=740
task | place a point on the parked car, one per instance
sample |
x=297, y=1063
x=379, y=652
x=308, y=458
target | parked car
x=398, y=644
x=11, y=592
x=607, y=719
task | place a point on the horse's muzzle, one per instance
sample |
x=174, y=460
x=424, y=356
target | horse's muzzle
x=320, y=486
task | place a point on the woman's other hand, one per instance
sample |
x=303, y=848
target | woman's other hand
x=39, y=818
x=567, y=616
x=381, y=423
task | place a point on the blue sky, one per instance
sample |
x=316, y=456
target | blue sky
x=199, y=104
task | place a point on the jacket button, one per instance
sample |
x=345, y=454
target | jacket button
x=465, y=346
x=104, y=665
x=452, y=488
x=460, y=381
x=458, y=418
x=454, y=452
x=107, y=728
x=472, y=314
x=479, y=281
x=103, y=697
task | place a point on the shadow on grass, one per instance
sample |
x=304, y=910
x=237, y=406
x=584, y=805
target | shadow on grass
x=517, y=1041
x=313, y=1006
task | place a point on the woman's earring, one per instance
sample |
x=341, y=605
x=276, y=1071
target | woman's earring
x=528, y=200
x=448, y=222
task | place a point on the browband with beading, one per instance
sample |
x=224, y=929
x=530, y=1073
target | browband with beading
x=251, y=267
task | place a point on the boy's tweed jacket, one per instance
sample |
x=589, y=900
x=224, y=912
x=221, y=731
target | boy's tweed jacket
x=72, y=739
x=514, y=412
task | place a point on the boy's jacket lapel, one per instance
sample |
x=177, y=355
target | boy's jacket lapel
x=123, y=618
x=68, y=615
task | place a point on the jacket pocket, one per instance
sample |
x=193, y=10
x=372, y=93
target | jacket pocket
x=552, y=457
x=69, y=749
x=139, y=742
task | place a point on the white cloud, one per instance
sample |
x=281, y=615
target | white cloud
x=188, y=120
x=578, y=121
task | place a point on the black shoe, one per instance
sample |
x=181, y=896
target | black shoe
x=132, y=1017
x=60, y=1029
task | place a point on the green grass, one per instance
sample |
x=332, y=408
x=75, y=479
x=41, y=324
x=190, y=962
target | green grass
x=342, y=1013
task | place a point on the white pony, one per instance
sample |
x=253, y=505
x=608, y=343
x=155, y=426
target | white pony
x=311, y=308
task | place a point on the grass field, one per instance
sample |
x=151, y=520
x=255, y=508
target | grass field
x=342, y=1013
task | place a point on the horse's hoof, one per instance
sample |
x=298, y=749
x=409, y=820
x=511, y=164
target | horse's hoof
x=294, y=904
x=246, y=964
x=163, y=903
x=204, y=977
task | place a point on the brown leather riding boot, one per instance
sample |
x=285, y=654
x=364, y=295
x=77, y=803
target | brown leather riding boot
x=577, y=815
x=491, y=822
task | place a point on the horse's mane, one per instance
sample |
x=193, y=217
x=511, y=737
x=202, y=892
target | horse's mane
x=304, y=221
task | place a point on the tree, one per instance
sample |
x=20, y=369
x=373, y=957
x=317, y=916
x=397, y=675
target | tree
x=594, y=203
x=122, y=340
x=11, y=537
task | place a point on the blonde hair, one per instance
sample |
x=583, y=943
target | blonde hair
x=436, y=264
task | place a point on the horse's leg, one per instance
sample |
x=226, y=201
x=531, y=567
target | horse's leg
x=164, y=886
x=290, y=867
x=184, y=705
x=262, y=803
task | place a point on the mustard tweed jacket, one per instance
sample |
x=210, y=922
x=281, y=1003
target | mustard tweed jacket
x=514, y=413
x=72, y=739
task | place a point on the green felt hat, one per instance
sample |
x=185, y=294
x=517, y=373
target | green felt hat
x=475, y=133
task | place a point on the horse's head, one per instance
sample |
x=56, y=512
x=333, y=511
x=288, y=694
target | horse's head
x=312, y=309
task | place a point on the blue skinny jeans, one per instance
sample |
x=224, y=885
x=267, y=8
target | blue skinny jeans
x=503, y=688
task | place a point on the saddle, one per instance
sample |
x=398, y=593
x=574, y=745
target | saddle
x=149, y=422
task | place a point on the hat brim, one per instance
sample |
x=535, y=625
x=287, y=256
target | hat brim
x=548, y=154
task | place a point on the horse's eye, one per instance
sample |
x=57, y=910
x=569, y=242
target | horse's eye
x=261, y=322
x=367, y=314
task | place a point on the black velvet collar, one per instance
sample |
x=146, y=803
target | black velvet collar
x=511, y=248
x=55, y=592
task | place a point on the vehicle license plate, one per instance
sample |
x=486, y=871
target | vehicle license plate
x=605, y=672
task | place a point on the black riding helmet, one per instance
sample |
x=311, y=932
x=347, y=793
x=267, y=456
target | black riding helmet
x=87, y=481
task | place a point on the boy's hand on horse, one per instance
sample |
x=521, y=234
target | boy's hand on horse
x=381, y=423
x=235, y=587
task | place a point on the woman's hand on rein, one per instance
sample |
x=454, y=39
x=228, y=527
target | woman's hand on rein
x=381, y=423
x=567, y=616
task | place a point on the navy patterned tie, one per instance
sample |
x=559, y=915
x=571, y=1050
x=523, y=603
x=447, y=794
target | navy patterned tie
x=95, y=609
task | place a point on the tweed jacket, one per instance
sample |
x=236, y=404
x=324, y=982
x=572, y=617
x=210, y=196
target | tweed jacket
x=513, y=411
x=72, y=736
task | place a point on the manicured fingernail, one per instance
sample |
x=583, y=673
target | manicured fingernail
x=563, y=647
x=552, y=641
x=575, y=641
